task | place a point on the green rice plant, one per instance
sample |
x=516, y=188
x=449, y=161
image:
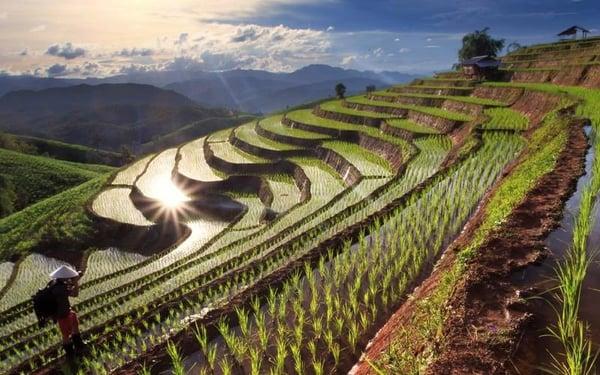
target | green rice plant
x=505, y=119
x=176, y=359
x=433, y=111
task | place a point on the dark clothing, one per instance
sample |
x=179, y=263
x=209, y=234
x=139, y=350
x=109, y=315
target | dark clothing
x=61, y=290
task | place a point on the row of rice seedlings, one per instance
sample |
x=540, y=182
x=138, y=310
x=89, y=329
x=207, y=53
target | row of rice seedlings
x=31, y=274
x=273, y=125
x=336, y=106
x=306, y=116
x=505, y=119
x=440, y=87
x=331, y=310
x=232, y=154
x=463, y=99
x=114, y=203
x=368, y=163
x=411, y=126
x=313, y=192
x=103, y=262
x=247, y=134
x=285, y=192
x=128, y=175
x=115, y=283
x=193, y=164
x=252, y=216
x=433, y=111
x=578, y=356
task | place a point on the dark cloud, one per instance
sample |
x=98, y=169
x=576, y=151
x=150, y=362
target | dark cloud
x=183, y=38
x=56, y=70
x=134, y=52
x=24, y=52
x=68, y=51
x=245, y=34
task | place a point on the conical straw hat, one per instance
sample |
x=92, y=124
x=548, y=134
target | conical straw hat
x=64, y=272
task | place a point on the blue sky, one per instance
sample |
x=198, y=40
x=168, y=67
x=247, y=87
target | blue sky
x=97, y=38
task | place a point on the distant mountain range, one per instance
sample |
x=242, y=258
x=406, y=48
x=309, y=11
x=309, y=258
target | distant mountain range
x=158, y=109
x=253, y=91
x=105, y=116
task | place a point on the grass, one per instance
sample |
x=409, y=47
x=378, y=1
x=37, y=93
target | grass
x=505, y=119
x=368, y=163
x=34, y=178
x=56, y=221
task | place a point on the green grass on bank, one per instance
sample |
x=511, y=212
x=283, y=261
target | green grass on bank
x=27, y=179
x=58, y=221
x=462, y=99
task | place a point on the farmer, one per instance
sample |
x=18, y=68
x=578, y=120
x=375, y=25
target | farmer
x=64, y=285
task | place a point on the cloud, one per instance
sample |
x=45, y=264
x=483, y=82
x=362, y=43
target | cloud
x=24, y=52
x=349, y=60
x=183, y=38
x=68, y=51
x=125, y=52
x=3, y=15
x=330, y=28
x=245, y=34
x=38, y=29
x=397, y=40
x=404, y=50
x=377, y=52
x=56, y=70
x=432, y=46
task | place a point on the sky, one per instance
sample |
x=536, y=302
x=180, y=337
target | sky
x=89, y=38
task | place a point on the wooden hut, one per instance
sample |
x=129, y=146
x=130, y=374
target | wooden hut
x=480, y=67
x=572, y=32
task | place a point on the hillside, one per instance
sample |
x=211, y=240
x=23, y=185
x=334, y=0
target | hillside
x=27, y=179
x=104, y=116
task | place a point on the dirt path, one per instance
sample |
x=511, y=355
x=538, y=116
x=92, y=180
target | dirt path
x=486, y=316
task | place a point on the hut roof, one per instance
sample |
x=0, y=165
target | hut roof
x=485, y=61
x=573, y=30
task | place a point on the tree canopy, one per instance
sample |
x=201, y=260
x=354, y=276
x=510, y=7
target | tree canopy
x=340, y=90
x=479, y=43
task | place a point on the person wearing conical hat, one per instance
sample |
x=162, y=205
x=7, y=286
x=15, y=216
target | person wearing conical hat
x=64, y=285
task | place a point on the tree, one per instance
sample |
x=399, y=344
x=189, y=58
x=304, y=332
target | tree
x=340, y=90
x=126, y=155
x=479, y=43
x=513, y=47
x=371, y=88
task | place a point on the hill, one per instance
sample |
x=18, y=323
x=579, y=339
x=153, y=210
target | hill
x=106, y=116
x=27, y=179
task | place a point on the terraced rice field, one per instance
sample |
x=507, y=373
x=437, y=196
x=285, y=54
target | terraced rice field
x=332, y=214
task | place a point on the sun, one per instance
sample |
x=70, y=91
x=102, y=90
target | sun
x=168, y=194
